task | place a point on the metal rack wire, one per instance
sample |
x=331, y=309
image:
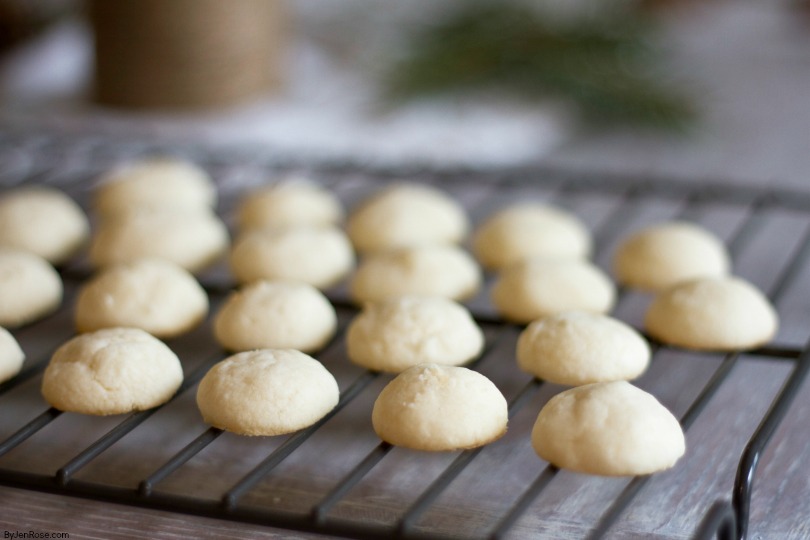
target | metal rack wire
x=611, y=205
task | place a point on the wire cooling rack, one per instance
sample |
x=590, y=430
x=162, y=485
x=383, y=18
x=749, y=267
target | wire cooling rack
x=337, y=478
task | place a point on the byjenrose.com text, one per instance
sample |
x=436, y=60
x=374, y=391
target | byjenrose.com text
x=19, y=535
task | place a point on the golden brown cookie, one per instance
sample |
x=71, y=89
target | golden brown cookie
x=393, y=335
x=717, y=314
x=663, y=255
x=610, y=429
x=266, y=392
x=440, y=408
x=575, y=348
x=111, y=371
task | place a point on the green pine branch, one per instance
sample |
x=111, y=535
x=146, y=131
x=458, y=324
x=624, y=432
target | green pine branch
x=601, y=67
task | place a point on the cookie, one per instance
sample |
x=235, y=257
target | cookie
x=275, y=315
x=440, y=408
x=528, y=230
x=393, y=335
x=111, y=371
x=30, y=288
x=535, y=288
x=288, y=203
x=406, y=215
x=11, y=356
x=44, y=221
x=266, y=392
x=609, y=429
x=663, y=255
x=319, y=256
x=714, y=314
x=152, y=184
x=151, y=294
x=575, y=348
x=192, y=239
x=446, y=271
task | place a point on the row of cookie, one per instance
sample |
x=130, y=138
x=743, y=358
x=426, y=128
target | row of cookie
x=30, y=288
x=98, y=372
x=610, y=427
x=381, y=334
x=540, y=254
x=162, y=209
x=707, y=313
x=525, y=292
x=120, y=370
x=139, y=214
x=697, y=304
x=165, y=300
x=642, y=436
x=408, y=234
x=39, y=227
x=604, y=427
x=46, y=222
x=105, y=297
x=270, y=392
x=257, y=392
x=614, y=428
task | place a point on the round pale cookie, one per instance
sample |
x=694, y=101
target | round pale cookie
x=575, y=348
x=319, y=256
x=399, y=333
x=155, y=183
x=446, y=271
x=535, y=288
x=529, y=230
x=266, y=392
x=609, y=429
x=44, y=221
x=440, y=408
x=192, y=239
x=715, y=314
x=111, y=371
x=662, y=255
x=406, y=215
x=151, y=294
x=275, y=315
x=30, y=288
x=289, y=203
x=11, y=356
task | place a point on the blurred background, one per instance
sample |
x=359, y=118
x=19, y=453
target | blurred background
x=693, y=90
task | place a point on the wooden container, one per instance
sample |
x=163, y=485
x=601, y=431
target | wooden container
x=185, y=54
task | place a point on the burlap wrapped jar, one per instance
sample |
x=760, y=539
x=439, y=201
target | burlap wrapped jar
x=187, y=54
